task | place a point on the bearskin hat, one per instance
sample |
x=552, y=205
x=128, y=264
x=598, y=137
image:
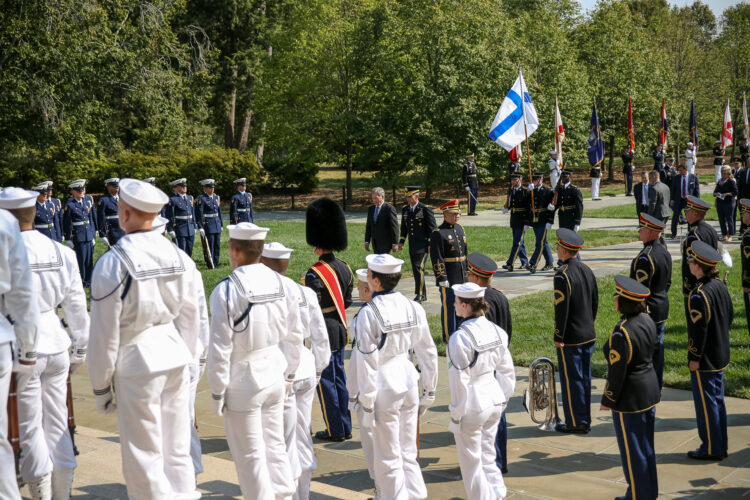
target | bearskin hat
x=326, y=225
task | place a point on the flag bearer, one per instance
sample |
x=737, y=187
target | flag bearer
x=209, y=219
x=519, y=205
x=79, y=227
x=541, y=223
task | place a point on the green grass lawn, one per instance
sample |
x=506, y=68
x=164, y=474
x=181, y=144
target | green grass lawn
x=628, y=211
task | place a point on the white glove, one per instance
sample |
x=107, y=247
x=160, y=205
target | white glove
x=444, y=284
x=368, y=418
x=105, y=402
x=548, y=226
x=526, y=228
x=353, y=404
x=504, y=210
x=77, y=358
x=468, y=188
x=454, y=427
x=576, y=228
x=424, y=403
x=218, y=406
x=173, y=235
x=93, y=242
x=531, y=186
x=70, y=244
x=202, y=231
x=106, y=241
x=551, y=207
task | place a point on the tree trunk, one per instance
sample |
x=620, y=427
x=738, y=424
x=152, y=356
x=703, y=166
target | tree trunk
x=349, y=161
x=611, y=176
x=229, y=126
x=244, y=132
x=259, y=150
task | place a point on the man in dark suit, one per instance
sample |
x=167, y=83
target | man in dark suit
x=658, y=197
x=641, y=194
x=683, y=185
x=382, y=224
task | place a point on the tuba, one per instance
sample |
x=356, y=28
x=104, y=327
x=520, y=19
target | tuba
x=542, y=394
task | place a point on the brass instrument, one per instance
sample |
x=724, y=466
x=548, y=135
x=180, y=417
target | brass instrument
x=542, y=394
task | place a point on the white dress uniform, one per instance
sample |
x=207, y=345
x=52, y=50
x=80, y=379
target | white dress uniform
x=145, y=329
x=18, y=301
x=46, y=444
x=387, y=328
x=554, y=172
x=482, y=379
x=254, y=352
x=691, y=160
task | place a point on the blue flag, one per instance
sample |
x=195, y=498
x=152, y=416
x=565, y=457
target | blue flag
x=596, y=146
x=693, y=125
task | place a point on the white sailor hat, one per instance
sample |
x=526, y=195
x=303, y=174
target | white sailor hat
x=159, y=224
x=276, y=250
x=150, y=180
x=241, y=180
x=179, y=182
x=384, y=263
x=468, y=290
x=78, y=184
x=113, y=181
x=49, y=184
x=689, y=143
x=362, y=275
x=247, y=231
x=40, y=188
x=15, y=197
x=142, y=195
x=208, y=183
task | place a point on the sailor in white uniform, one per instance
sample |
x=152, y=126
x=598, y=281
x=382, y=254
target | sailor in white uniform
x=482, y=379
x=554, y=169
x=47, y=456
x=19, y=314
x=254, y=353
x=145, y=333
x=387, y=328
x=298, y=407
x=691, y=157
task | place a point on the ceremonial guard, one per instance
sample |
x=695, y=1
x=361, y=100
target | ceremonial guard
x=253, y=357
x=241, y=205
x=691, y=158
x=417, y=223
x=46, y=215
x=596, y=178
x=555, y=169
x=388, y=327
x=106, y=214
x=541, y=223
x=332, y=281
x=658, y=156
x=576, y=304
x=652, y=268
x=298, y=406
x=180, y=212
x=519, y=205
x=698, y=230
x=19, y=314
x=79, y=228
x=710, y=316
x=208, y=216
x=632, y=390
x=54, y=202
x=745, y=255
x=627, y=170
x=448, y=255
x=482, y=379
x=568, y=201
x=471, y=183
x=47, y=457
x=718, y=159
x=145, y=333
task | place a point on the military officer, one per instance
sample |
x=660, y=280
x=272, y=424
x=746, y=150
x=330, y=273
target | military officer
x=658, y=156
x=691, y=157
x=576, y=304
x=718, y=159
x=555, y=169
x=241, y=206
x=698, y=230
x=632, y=391
x=541, y=223
x=568, y=202
x=332, y=281
x=79, y=227
x=180, y=212
x=106, y=213
x=596, y=178
x=448, y=255
x=208, y=215
x=417, y=223
x=710, y=316
x=471, y=183
x=627, y=170
x=652, y=267
x=55, y=203
x=745, y=255
x=519, y=205
x=44, y=221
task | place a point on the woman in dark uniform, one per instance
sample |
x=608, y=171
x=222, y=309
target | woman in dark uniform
x=632, y=389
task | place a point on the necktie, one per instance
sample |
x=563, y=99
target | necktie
x=377, y=211
x=684, y=186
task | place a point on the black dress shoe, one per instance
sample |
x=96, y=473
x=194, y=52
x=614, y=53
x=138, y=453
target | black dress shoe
x=574, y=429
x=547, y=267
x=324, y=436
x=348, y=436
x=419, y=298
x=532, y=270
x=504, y=470
x=697, y=455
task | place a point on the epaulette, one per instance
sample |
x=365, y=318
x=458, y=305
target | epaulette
x=497, y=290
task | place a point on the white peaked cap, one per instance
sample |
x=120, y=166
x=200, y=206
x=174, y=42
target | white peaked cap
x=159, y=224
x=362, y=275
x=553, y=152
x=78, y=184
x=247, y=231
x=15, y=197
x=468, y=290
x=276, y=250
x=207, y=182
x=384, y=263
x=142, y=195
x=112, y=180
x=178, y=182
x=689, y=143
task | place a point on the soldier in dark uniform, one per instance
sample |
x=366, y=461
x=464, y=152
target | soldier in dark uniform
x=471, y=183
x=718, y=159
x=710, y=315
x=658, y=156
x=57, y=208
x=106, y=213
x=632, y=390
x=180, y=212
x=79, y=226
x=332, y=280
x=568, y=201
x=44, y=221
x=417, y=223
x=481, y=270
x=745, y=154
x=698, y=230
x=448, y=255
x=241, y=205
x=541, y=223
x=627, y=170
x=208, y=216
x=576, y=304
x=745, y=255
x=519, y=204
x=652, y=267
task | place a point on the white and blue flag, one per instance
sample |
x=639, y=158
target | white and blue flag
x=508, y=126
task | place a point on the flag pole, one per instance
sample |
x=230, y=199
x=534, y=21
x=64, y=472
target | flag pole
x=526, y=134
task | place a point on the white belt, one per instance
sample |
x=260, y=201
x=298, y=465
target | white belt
x=43, y=226
x=210, y=215
x=155, y=329
x=82, y=223
x=185, y=217
x=243, y=209
x=111, y=217
x=239, y=356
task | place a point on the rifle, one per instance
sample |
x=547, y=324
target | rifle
x=71, y=416
x=13, y=431
x=204, y=244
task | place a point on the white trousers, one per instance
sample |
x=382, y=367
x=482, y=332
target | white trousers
x=717, y=169
x=365, y=436
x=475, y=444
x=554, y=176
x=43, y=419
x=195, y=440
x=394, y=436
x=152, y=412
x=690, y=166
x=256, y=440
x=299, y=443
x=8, y=484
x=595, y=187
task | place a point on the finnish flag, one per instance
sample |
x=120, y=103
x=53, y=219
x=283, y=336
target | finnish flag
x=508, y=126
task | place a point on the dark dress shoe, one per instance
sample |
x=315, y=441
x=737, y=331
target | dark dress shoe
x=547, y=267
x=418, y=298
x=532, y=270
x=324, y=436
x=504, y=470
x=697, y=455
x=348, y=436
x=574, y=429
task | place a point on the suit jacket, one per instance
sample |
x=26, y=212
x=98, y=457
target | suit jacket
x=693, y=187
x=658, y=200
x=743, y=183
x=639, y=201
x=384, y=233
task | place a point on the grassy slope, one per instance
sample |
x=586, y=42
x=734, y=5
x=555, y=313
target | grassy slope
x=628, y=211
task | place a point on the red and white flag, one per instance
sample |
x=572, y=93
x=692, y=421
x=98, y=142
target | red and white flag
x=559, y=133
x=516, y=154
x=663, y=128
x=726, y=129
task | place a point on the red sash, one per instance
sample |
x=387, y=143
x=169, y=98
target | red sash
x=330, y=279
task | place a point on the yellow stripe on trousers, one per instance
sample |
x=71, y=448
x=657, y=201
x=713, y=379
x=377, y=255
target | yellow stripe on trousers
x=627, y=453
x=323, y=405
x=567, y=385
x=444, y=298
x=705, y=413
